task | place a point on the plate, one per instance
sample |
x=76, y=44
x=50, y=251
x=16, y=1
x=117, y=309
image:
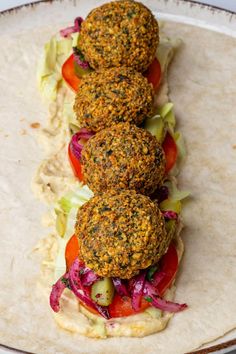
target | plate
x=207, y=33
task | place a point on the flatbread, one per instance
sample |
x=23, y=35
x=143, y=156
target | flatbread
x=203, y=90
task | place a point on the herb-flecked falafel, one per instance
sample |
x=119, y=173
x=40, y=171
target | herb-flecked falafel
x=111, y=96
x=120, y=33
x=123, y=156
x=120, y=233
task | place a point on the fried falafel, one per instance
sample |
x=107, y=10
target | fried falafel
x=111, y=96
x=120, y=33
x=120, y=233
x=123, y=156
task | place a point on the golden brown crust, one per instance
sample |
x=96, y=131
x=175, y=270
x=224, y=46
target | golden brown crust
x=120, y=233
x=111, y=96
x=123, y=156
x=120, y=33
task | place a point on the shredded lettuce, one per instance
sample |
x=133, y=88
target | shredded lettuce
x=161, y=122
x=179, y=140
x=166, y=49
x=155, y=125
x=171, y=204
x=167, y=114
x=174, y=192
x=49, y=78
x=69, y=114
x=67, y=207
x=75, y=198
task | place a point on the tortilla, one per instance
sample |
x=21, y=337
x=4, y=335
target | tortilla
x=203, y=90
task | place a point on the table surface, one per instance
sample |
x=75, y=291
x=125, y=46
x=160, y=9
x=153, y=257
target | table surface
x=225, y=4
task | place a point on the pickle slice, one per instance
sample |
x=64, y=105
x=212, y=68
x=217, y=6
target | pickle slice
x=102, y=292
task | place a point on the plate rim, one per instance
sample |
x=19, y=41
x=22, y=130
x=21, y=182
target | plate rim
x=192, y=3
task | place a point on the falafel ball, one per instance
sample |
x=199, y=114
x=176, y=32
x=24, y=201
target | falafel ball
x=120, y=33
x=111, y=96
x=120, y=233
x=123, y=156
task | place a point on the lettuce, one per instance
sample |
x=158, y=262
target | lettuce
x=174, y=192
x=164, y=120
x=165, y=50
x=49, y=78
x=67, y=207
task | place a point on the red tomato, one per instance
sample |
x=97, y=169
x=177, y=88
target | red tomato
x=71, y=251
x=121, y=306
x=168, y=265
x=75, y=164
x=153, y=73
x=170, y=149
x=68, y=73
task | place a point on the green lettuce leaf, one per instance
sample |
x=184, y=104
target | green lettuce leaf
x=49, y=78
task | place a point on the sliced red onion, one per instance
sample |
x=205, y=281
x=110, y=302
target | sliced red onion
x=169, y=306
x=75, y=144
x=57, y=290
x=137, y=290
x=66, y=32
x=120, y=287
x=149, y=289
x=88, y=278
x=170, y=215
x=158, y=277
x=162, y=304
x=78, y=290
x=80, y=59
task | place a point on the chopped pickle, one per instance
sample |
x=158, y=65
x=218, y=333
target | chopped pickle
x=170, y=204
x=102, y=292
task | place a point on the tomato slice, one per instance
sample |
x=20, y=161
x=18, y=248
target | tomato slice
x=153, y=73
x=71, y=251
x=75, y=164
x=121, y=307
x=68, y=73
x=170, y=149
x=168, y=265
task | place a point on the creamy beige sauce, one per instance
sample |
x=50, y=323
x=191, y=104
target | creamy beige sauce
x=53, y=179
